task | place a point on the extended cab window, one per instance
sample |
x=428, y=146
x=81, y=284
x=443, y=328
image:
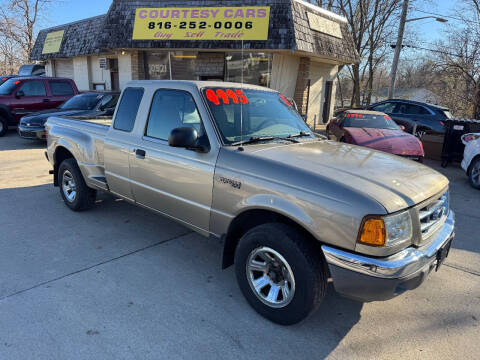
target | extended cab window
x=33, y=88
x=172, y=109
x=128, y=109
x=61, y=88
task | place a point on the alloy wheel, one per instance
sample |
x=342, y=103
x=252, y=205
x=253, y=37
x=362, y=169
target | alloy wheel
x=270, y=277
x=68, y=186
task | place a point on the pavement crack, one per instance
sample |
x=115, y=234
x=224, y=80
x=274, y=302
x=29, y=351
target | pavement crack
x=456, y=267
x=94, y=266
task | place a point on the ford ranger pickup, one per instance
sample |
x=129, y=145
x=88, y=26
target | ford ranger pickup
x=294, y=210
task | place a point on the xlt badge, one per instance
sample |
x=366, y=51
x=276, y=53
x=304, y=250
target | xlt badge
x=233, y=183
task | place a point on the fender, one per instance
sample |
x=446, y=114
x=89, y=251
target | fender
x=280, y=206
x=271, y=207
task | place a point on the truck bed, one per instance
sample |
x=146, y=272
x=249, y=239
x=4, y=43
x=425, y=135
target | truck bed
x=84, y=138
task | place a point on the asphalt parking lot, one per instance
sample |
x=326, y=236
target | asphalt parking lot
x=118, y=282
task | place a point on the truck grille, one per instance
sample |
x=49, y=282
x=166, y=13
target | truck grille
x=433, y=215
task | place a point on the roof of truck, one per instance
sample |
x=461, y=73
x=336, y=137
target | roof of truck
x=197, y=84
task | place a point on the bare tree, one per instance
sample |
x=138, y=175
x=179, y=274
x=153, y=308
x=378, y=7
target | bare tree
x=18, y=20
x=370, y=22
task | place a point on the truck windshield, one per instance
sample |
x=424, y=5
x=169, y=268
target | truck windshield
x=8, y=86
x=82, y=102
x=242, y=114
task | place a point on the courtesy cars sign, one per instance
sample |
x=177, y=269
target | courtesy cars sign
x=202, y=23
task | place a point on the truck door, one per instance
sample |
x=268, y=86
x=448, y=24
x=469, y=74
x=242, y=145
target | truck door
x=120, y=143
x=174, y=181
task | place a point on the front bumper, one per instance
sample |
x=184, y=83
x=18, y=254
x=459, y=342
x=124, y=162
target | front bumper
x=32, y=132
x=370, y=279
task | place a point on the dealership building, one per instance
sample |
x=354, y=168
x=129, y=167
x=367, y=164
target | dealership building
x=288, y=45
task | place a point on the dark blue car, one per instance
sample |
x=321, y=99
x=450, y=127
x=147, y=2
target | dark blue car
x=90, y=104
x=417, y=118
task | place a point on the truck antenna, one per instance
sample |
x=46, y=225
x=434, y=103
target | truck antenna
x=241, y=104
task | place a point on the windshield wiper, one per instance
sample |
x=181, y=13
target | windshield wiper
x=300, y=134
x=257, y=139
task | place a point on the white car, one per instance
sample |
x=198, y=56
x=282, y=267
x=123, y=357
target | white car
x=471, y=158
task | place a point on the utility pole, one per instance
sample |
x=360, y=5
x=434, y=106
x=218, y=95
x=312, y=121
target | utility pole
x=398, y=48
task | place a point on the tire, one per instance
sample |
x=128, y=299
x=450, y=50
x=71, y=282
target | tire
x=300, y=283
x=3, y=126
x=75, y=193
x=474, y=173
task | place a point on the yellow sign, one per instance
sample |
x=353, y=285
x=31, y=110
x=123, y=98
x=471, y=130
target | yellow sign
x=53, y=42
x=203, y=23
x=324, y=25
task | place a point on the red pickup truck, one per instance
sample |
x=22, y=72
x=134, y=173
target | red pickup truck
x=20, y=96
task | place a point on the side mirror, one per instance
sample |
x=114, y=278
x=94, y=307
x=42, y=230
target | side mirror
x=402, y=127
x=304, y=117
x=20, y=94
x=186, y=137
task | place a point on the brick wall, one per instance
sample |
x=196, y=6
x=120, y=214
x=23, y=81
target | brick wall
x=301, y=88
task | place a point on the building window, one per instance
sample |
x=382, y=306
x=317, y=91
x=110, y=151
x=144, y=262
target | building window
x=257, y=68
x=183, y=65
x=158, y=65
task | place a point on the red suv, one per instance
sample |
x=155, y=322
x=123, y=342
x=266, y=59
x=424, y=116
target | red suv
x=21, y=96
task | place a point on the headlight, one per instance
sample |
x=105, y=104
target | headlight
x=386, y=231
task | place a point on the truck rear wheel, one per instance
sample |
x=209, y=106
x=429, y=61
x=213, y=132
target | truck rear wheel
x=3, y=126
x=75, y=193
x=280, y=273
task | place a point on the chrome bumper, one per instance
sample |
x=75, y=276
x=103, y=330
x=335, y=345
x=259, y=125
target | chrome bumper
x=32, y=132
x=369, y=279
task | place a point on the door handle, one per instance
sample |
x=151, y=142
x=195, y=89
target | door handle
x=140, y=153
x=46, y=100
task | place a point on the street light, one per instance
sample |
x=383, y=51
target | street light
x=398, y=46
x=439, y=19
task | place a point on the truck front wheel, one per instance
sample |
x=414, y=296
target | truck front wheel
x=280, y=273
x=75, y=193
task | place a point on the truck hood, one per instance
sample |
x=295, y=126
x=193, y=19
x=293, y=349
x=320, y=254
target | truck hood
x=392, y=181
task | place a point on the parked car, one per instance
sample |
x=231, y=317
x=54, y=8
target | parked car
x=21, y=96
x=91, y=104
x=32, y=70
x=236, y=162
x=417, y=118
x=5, y=78
x=471, y=158
x=375, y=130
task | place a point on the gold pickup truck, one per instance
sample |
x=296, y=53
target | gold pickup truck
x=236, y=162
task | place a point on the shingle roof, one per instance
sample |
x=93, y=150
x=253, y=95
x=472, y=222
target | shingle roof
x=288, y=30
x=79, y=39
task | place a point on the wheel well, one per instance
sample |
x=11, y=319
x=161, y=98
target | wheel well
x=61, y=154
x=4, y=114
x=250, y=219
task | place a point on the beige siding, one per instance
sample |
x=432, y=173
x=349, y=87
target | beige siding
x=98, y=75
x=49, y=68
x=284, y=73
x=319, y=74
x=81, y=73
x=124, y=69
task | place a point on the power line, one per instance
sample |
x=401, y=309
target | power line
x=445, y=16
x=432, y=50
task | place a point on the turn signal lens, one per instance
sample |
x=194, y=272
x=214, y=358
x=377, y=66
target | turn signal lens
x=373, y=232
